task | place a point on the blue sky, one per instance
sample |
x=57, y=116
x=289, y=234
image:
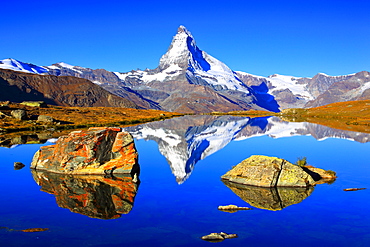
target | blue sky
x=299, y=38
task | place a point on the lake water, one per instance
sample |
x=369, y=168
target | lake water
x=181, y=162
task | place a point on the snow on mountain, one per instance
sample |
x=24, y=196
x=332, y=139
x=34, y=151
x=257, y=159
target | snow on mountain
x=281, y=82
x=201, y=67
x=147, y=76
x=178, y=51
x=365, y=87
x=16, y=65
x=62, y=65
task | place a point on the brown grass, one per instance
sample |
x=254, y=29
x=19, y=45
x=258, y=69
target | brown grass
x=79, y=117
x=350, y=115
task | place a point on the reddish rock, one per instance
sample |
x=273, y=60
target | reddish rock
x=94, y=151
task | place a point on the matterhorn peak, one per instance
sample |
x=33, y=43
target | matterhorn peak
x=178, y=52
x=200, y=67
x=183, y=29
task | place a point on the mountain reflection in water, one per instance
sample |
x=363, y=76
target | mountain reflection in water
x=186, y=140
x=94, y=196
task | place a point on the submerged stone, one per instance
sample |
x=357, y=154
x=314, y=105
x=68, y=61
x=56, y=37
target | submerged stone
x=93, y=151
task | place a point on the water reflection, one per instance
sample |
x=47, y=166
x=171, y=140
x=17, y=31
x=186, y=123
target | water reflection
x=186, y=140
x=16, y=139
x=94, y=196
x=274, y=199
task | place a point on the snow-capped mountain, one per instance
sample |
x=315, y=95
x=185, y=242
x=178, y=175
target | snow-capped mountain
x=16, y=65
x=298, y=92
x=201, y=68
x=186, y=73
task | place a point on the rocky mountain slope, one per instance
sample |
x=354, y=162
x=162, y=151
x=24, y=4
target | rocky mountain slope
x=57, y=90
x=322, y=89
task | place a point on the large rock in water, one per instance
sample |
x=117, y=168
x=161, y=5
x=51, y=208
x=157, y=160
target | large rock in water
x=264, y=171
x=92, y=151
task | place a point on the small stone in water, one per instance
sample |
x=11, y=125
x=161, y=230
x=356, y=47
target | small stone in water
x=217, y=237
x=354, y=189
x=18, y=165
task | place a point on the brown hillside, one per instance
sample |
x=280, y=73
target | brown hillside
x=56, y=90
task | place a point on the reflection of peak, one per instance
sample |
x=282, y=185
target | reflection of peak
x=184, y=141
x=218, y=134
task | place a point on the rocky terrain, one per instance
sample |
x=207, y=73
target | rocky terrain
x=346, y=88
x=56, y=90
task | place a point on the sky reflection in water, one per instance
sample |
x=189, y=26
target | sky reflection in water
x=177, y=210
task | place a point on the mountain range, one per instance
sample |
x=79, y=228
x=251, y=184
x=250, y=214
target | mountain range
x=189, y=80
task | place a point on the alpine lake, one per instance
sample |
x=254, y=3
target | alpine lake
x=176, y=201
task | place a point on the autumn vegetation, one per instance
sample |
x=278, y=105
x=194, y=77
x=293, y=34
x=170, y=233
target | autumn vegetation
x=77, y=117
x=349, y=115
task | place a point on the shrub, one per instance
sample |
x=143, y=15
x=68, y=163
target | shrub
x=301, y=161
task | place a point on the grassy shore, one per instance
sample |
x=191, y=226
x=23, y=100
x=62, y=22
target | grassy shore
x=351, y=115
x=77, y=117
